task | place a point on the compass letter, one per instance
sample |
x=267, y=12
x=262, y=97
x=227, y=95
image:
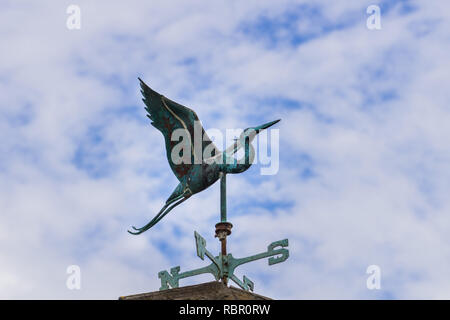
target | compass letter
x=201, y=245
x=167, y=279
x=284, y=252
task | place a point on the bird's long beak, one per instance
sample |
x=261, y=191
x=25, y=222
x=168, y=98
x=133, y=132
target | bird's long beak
x=265, y=126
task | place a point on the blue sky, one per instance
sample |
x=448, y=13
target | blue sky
x=364, y=151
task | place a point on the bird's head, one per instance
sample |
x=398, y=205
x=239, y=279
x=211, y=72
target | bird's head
x=253, y=131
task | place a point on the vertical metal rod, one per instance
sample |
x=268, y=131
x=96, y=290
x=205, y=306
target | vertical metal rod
x=223, y=197
x=223, y=218
x=246, y=150
x=224, y=246
x=224, y=254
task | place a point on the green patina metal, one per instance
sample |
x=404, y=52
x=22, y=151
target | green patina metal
x=223, y=197
x=224, y=266
x=196, y=173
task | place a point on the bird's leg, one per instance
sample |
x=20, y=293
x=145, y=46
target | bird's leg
x=187, y=193
x=160, y=212
x=156, y=219
x=167, y=211
x=152, y=222
x=160, y=215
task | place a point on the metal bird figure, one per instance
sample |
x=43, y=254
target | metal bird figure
x=196, y=172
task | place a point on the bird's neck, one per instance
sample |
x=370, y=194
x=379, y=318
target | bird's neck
x=231, y=164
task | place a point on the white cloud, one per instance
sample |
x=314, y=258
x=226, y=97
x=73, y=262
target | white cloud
x=370, y=116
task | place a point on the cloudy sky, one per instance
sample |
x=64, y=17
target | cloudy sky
x=364, y=146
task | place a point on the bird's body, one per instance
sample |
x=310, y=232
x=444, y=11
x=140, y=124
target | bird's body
x=194, y=170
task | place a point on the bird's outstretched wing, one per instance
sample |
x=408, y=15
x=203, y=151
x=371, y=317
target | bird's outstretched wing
x=167, y=116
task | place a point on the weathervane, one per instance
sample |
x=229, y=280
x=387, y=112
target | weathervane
x=197, y=163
